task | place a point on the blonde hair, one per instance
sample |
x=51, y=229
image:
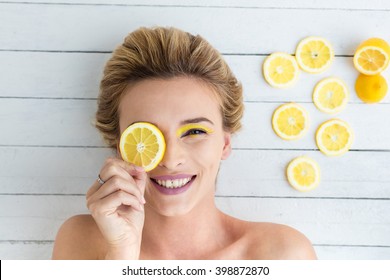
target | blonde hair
x=163, y=53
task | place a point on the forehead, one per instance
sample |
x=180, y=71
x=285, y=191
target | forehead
x=168, y=101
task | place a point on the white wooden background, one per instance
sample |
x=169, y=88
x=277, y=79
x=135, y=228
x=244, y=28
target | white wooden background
x=51, y=58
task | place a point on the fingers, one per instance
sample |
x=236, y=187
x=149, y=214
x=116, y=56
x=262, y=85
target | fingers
x=116, y=167
x=124, y=184
x=116, y=183
x=113, y=194
x=110, y=204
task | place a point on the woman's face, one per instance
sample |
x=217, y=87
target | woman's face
x=188, y=114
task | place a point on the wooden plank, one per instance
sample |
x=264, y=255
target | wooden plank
x=48, y=122
x=345, y=221
x=69, y=123
x=36, y=217
x=39, y=250
x=40, y=170
x=19, y=250
x=370, y=132
x=36, y=170
x=285, y=4
x=248, y=69
x=352, y=253
x=39, y=26
x=51, y=75
x=77, y=75
x=262, y=173
x=323, y=221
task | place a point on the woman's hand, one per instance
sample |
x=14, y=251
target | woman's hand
x=118, y=207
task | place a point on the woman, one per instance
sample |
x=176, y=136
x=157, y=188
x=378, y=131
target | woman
x=170, y=78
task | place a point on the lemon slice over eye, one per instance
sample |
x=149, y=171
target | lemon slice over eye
x=290, y=121
x=334, y=137
x=330, y=95
x=314, y=54
x=280, y=70
x=303, y=174
x=142, y=144
x=372, y=56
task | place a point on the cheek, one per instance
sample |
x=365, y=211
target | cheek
x=207, y=154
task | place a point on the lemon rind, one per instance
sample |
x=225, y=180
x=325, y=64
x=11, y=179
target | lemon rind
x=290, y=177
x=321, y=84
x=276, y=114
x=321, y=146
x=309, y=69
x=361, y=94
x=271, y=81
x=160, y=154
x=364, y=71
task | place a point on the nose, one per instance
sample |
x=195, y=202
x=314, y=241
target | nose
x=174, y=154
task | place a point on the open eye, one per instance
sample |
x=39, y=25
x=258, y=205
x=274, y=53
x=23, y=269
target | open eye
x=194, y=132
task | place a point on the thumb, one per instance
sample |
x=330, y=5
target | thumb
x=139, y=175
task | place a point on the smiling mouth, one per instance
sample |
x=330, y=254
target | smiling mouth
x=173, y=184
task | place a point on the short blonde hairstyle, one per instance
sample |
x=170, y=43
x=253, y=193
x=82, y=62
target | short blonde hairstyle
x=164, y=53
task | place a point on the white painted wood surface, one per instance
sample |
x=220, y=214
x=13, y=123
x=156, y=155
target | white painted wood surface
x=51, y=58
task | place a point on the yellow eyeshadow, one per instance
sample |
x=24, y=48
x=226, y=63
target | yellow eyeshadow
x=187, y=127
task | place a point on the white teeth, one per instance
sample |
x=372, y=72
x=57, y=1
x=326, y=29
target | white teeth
x=173, y=183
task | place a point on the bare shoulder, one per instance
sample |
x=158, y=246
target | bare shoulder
x=78, y=238
x=276, y=241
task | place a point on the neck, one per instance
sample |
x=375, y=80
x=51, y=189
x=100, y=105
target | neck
x=193, y=235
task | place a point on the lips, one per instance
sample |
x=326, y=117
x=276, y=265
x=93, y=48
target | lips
x=173, y=184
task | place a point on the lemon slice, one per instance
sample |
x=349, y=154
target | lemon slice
x=280, y=70
x=303, y=174
x=142, y=144
x=290, y=121
x=330, y=95
x=314, y=54
x=372, y=56
x=334, y=137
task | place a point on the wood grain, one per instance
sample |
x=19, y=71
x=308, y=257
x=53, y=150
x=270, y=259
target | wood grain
x=312, y=216
x=52, y=56
x=101, y=28
x=64, y=171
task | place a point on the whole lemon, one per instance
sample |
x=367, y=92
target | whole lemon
x=371, y=89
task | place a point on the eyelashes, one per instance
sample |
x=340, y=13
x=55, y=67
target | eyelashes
x=193, y=130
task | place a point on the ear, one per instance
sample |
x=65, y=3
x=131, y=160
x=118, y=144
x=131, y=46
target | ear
x=227, y=148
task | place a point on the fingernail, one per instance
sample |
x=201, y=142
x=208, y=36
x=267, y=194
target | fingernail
x=139, y=168
x=143, y=200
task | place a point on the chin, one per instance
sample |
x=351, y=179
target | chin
x=171, y=210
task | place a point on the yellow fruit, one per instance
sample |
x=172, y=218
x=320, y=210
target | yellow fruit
x=372, y=56
x=330, y=95
x=142, y=144
x=280, y=70
x=303, y=174
x=314, y=54
x=290, y=121
x=371, y=89
x=334, y=137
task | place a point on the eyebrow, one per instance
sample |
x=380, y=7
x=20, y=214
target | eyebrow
x=196, y=120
